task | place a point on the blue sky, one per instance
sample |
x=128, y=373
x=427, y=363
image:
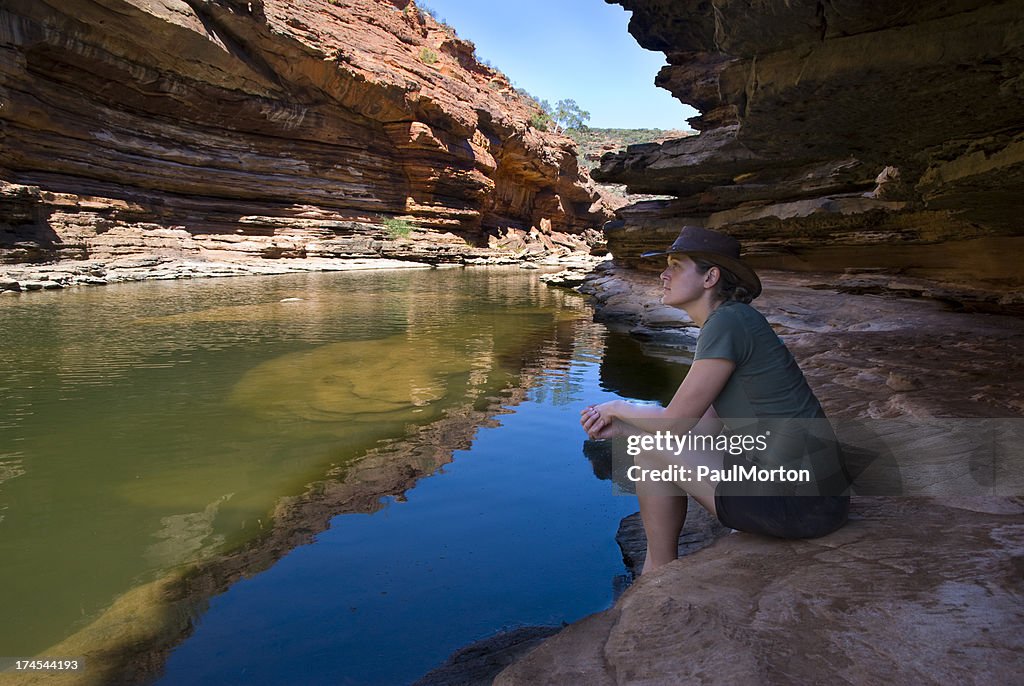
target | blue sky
x=577, y=49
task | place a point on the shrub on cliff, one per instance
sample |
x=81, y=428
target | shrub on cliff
x=428, y=56
x=427, y=10
x=540, y=121
x=398, y=228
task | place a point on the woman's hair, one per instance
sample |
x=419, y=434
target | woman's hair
x=728, y=286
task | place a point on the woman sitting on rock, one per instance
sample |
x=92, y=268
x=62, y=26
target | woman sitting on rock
x=746, y=391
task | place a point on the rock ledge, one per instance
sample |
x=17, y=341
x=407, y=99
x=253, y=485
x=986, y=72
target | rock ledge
x=757, y=610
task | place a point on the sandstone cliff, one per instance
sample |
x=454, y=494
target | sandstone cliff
x=266, y=129
x=841, y=135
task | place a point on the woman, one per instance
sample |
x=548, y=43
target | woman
x=745, y=380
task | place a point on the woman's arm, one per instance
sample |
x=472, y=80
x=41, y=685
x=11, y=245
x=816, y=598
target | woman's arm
x=702, y=384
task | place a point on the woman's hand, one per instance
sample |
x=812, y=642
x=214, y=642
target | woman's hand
x=599, y=420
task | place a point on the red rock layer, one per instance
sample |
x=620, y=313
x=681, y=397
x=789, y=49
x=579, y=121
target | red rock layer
x=297, y=118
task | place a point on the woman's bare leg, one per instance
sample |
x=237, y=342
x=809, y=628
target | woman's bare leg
x=663, y=517
x=663, y=506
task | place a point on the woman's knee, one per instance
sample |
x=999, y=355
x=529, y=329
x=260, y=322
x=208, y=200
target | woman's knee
x=670, y=473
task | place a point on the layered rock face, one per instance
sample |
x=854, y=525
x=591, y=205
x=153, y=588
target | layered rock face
x=841, y=135
x=272, y=128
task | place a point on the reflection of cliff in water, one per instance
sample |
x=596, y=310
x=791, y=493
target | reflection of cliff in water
x=631, y=369
x=627, y=370
x=481, y=367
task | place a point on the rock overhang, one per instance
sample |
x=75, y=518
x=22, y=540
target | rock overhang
x=915, y=116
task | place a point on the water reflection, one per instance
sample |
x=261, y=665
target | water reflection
x=146, y=428
x=516, y=532
x=628, y=371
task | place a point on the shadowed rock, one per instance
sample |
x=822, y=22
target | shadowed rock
x=699, y=531
x=477, y=664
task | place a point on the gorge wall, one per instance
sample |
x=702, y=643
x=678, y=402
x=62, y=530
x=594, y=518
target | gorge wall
x=883, y=143
x=266, y=129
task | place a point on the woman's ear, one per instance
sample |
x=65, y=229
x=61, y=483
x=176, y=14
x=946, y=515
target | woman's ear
x=712, y=276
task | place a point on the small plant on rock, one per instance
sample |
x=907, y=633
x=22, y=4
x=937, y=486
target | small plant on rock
x=428, y=56
x=398, y=228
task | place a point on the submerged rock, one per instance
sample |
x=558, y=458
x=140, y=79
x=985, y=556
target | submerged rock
x=477, y=664
x=341, y=382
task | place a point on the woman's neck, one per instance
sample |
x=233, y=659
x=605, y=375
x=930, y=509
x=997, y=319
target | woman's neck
x=702, y=309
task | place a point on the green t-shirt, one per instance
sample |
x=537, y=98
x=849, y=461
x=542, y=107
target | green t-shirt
x=765, y=394
x=768, y=394
x=767, y=382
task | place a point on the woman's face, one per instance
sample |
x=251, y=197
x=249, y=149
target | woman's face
x=682, y=282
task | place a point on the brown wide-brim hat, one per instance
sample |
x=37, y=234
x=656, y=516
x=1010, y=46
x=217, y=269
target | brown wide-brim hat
x=717, y=248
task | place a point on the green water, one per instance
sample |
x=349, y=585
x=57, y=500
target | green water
x=145, y=427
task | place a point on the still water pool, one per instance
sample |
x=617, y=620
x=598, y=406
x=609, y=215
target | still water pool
x=154, y=429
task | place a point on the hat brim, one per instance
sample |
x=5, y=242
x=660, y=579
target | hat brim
x=747, y=276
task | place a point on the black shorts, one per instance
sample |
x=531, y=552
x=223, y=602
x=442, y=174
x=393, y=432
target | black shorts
x=782, y=516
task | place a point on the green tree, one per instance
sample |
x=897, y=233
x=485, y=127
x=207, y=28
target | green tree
x=568, y=115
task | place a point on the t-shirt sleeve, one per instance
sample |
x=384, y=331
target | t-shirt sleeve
x=723, y=337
